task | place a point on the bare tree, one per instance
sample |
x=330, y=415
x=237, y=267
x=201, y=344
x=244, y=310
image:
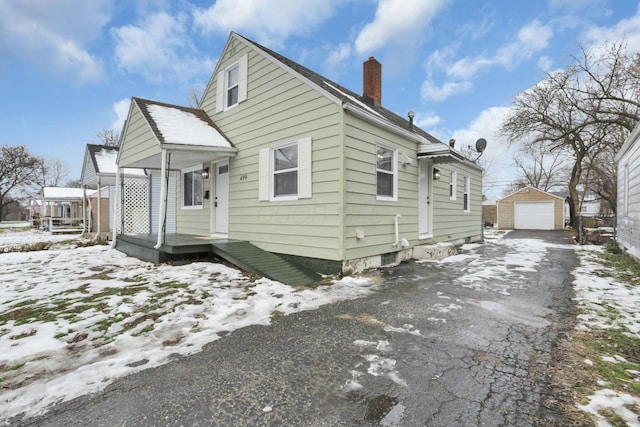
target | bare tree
x=541, y=169
x=109, y=137
x=50, y=173
x=582, y=112
x=18, y=170
x=193, y=98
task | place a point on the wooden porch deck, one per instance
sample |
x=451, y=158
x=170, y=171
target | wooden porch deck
x=240, y=253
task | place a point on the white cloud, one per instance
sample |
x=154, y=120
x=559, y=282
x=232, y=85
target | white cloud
x=268, y=22
x=159, y=48
x=427, y=120
x=432, y=92
x=498, y=156
x=121, y=110
x=626, y=29
x=336, y=58
x=545, y=63
x=531, y=39
x=397, y=21
x=41, y=32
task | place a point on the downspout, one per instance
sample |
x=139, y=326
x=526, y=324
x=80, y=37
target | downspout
x=404, y=242
x=117, y=202
x=163, y=199
x=98, y=230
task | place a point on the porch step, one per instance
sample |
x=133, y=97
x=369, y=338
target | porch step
x=255, y=260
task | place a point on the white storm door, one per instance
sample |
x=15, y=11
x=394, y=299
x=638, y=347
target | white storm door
x=424, y=199
x=221, y=201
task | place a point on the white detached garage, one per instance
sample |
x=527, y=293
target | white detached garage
x=531, y=209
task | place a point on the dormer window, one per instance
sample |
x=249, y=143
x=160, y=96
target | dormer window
x=232, y=85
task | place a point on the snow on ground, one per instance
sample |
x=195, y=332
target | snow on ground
x=607, y=304
x=72, y=320
x=23, y=237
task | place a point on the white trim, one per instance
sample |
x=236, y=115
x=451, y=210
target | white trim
x=453, y=184
x=163, y=200
x=466, y=195
x=394, y=172
x=182, y=173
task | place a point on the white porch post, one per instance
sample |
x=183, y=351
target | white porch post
x=84, y=209
x=116, y=208
x=98, y=230
x=163, y=199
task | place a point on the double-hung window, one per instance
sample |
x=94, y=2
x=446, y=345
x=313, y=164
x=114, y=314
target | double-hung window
x=386, y=173
x=285, y=171
x=192, y=188
x=467, y=194
x=231, y=87
x=453, y=185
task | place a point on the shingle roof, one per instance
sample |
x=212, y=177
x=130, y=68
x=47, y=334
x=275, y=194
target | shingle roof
x=346, y=95
x=175, y=124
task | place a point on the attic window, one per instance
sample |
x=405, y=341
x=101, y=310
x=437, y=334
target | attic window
x=232, y=85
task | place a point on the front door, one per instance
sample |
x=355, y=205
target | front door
x=221, y=198
x=424, y=200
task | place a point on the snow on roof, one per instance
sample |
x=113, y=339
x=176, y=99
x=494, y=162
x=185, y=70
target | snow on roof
x=354, y=100
x=182, y=127
x=60, y=193
x=106, y=162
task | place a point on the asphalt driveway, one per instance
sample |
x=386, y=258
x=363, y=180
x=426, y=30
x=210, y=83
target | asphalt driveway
x=456, y=343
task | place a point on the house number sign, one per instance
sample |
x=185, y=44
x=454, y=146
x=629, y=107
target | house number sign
x=243, y=177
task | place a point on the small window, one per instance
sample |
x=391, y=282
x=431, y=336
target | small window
x=232, y=80
x=467, y=194
x=192, y=188
x=285, y=171
x=386, y=173
x=453, y=190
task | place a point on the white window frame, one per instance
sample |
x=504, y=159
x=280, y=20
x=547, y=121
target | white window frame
x=393, y=172
x=453, y=185
x=228, y=87
x=266, y=167
x=466, y=199
x=222, y=91
x=183, y=172
x=273, y=172
x=626, y=190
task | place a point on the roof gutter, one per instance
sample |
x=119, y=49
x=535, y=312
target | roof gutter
x=384, y=124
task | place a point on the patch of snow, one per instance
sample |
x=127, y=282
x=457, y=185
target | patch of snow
x=117, y=317
x=182, y=127
x=614, y=401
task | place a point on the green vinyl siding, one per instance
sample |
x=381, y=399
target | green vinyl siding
x=281, y=108
x=193, y=221
x=363, y=212
x=141, y=142
x=450, y=222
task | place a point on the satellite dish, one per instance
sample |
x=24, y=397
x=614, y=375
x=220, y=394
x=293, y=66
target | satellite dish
x=481, y=144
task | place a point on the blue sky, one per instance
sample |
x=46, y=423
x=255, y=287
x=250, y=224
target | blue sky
x=69, y=67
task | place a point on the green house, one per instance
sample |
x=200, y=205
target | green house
x=279, y=156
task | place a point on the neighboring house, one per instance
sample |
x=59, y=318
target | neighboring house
x=282, y=157
x=531, y=209
x=99, y=171
x=628, y=209
x=62, y=209
x=490, y=211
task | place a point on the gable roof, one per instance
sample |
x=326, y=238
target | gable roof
x=178, y=125
x=529, y=188
x=345, y=95
x=100, y=160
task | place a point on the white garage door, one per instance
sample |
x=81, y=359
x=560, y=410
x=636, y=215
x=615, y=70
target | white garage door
x=534, y=216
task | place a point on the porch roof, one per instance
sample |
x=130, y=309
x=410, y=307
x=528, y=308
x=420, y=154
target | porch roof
x=187, y=134
x=62, y=194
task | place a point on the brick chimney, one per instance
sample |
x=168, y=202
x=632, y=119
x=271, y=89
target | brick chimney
x=372, y=80
x=452, y=143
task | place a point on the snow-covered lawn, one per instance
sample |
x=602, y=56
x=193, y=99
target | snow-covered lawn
x=72, y=320
x=611, y=306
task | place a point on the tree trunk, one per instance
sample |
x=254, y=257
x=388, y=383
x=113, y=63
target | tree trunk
x=574, y=200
